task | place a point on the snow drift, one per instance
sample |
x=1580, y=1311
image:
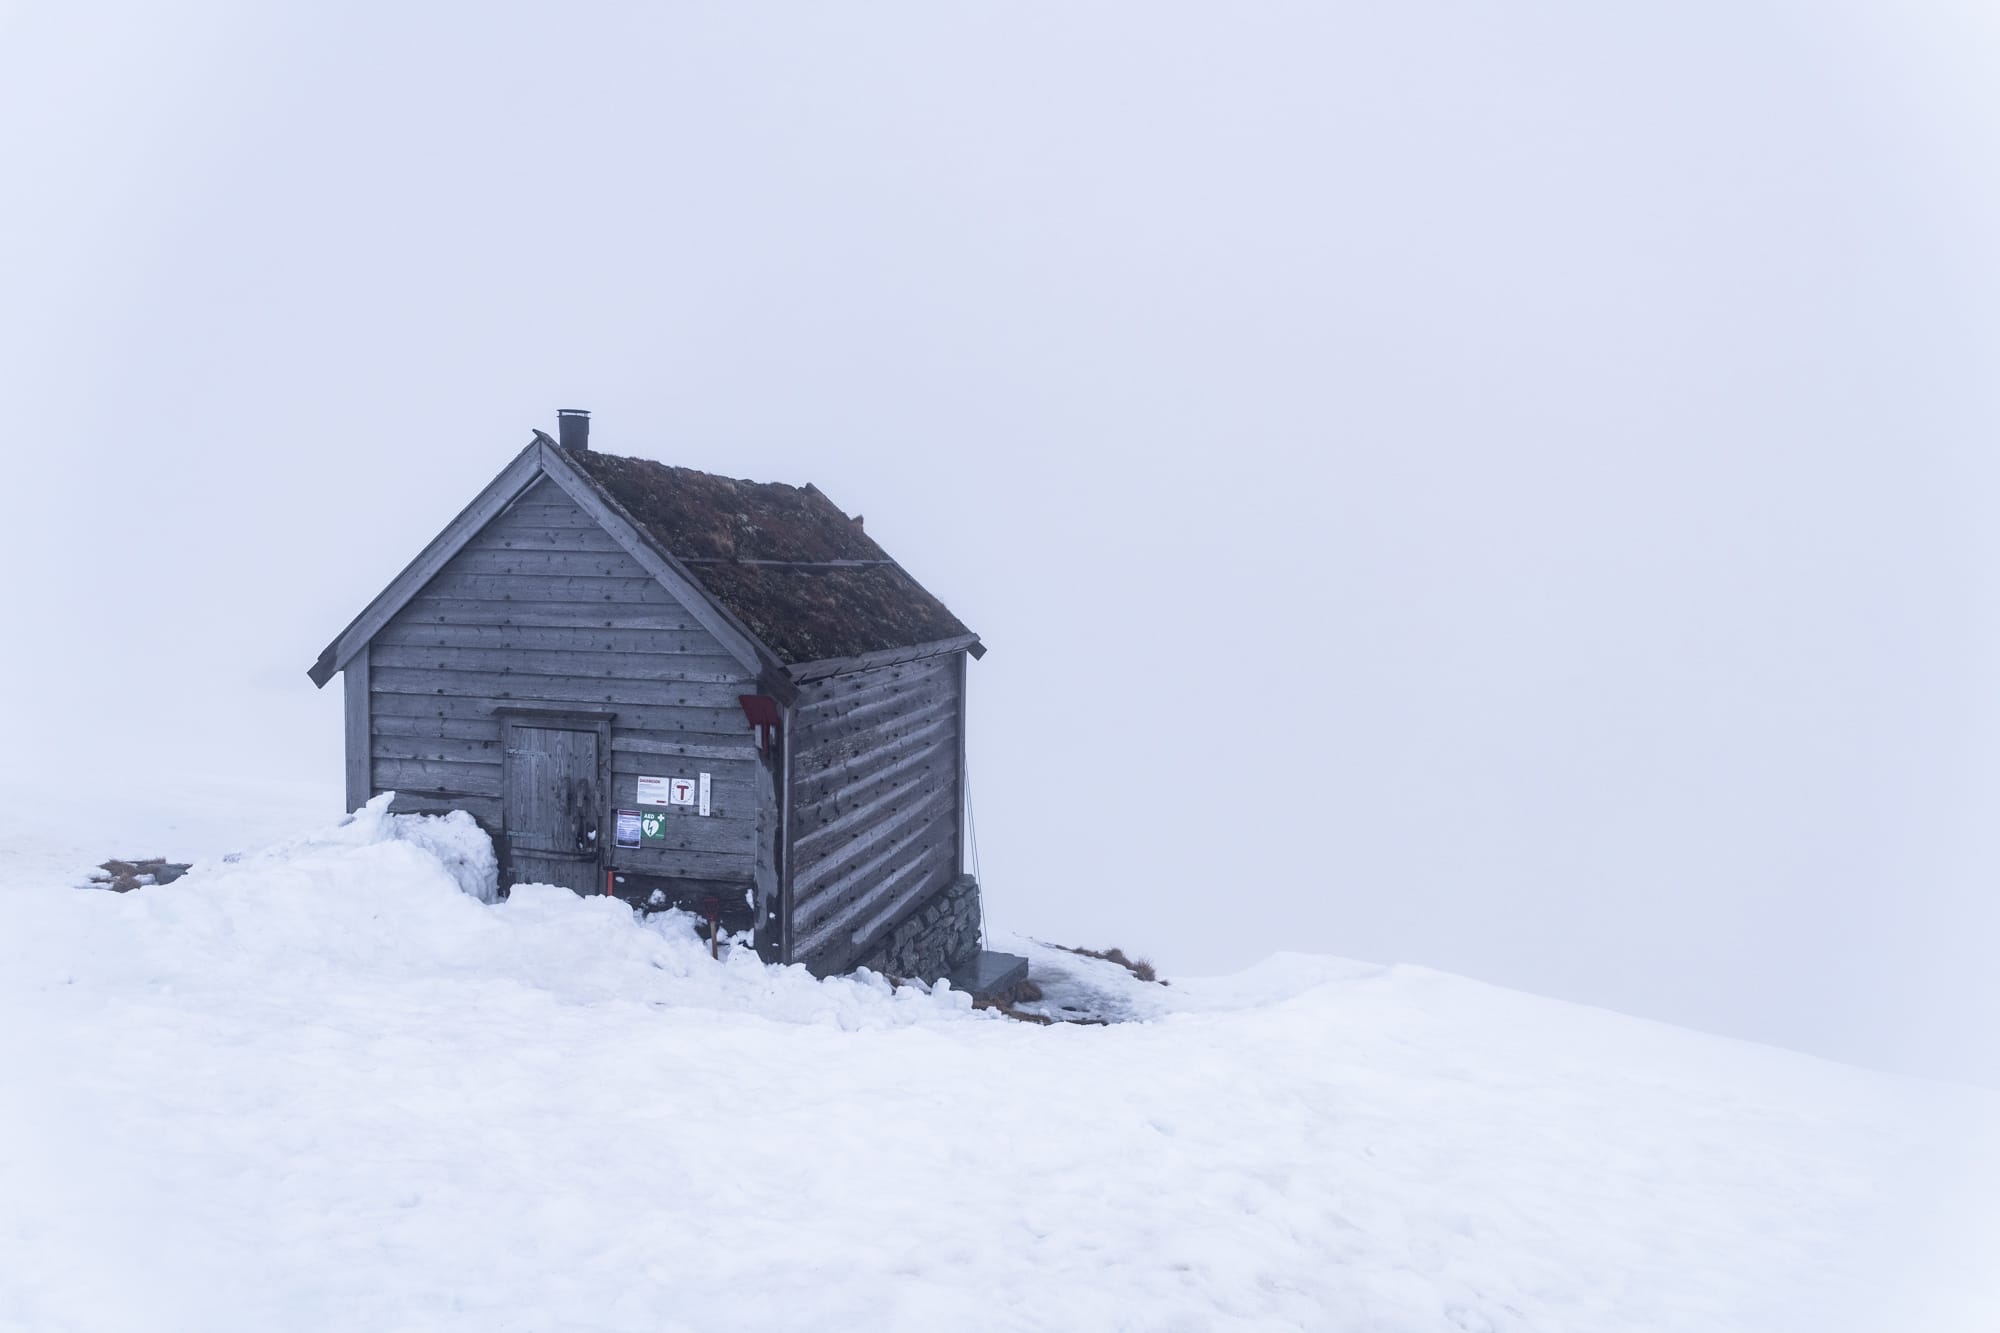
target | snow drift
x=326, y=1087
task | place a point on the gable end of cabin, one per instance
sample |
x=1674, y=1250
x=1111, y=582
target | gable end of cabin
x=533, y=682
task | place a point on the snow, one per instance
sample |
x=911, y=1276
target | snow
x=325, y=1086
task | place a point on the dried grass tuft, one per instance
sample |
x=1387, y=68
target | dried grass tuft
x=1138, y=967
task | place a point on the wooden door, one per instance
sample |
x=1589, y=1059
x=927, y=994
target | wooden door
x=551, y=810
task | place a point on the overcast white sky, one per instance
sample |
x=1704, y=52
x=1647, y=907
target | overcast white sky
x=1509, y=488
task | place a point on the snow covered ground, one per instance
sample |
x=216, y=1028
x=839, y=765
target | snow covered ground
x=320, y=1087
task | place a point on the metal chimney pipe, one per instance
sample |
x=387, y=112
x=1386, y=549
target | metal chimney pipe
x=573, y=429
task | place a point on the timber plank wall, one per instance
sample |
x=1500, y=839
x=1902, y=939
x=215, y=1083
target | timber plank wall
x=874, y=827
x=543, y=610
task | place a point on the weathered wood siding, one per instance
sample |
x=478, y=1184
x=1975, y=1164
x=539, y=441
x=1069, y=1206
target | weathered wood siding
x=543, y=610
x=875, y=815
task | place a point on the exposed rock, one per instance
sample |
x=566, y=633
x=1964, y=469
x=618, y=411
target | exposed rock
x=937, y=938
x=125, y=876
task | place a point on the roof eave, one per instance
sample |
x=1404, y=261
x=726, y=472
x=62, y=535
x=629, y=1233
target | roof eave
x=802, y=672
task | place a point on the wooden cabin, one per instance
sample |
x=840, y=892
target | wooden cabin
x=688, y=691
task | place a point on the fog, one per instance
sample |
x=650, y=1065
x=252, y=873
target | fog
x=1507, y=489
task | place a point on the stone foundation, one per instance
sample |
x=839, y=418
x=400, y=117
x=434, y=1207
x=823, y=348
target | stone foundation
x=942, y=935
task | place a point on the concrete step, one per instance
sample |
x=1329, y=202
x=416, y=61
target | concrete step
x=990, y=975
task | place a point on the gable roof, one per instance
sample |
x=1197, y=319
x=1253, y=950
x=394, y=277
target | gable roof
x=797, y=572
x=791, y=586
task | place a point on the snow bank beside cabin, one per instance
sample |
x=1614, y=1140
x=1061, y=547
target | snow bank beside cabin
x=455, y=839
x=323, y=1087
x=382, y=902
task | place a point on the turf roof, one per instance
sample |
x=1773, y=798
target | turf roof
x=800, y=574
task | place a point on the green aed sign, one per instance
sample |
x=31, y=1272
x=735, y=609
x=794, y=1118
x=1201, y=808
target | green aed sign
x=653, y=825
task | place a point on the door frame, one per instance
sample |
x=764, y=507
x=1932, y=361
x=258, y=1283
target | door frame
x=559, y=719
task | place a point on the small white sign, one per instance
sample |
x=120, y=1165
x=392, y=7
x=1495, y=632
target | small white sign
x=704, y=795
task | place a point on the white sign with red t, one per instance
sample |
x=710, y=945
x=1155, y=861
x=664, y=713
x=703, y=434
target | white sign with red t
x=666, y=791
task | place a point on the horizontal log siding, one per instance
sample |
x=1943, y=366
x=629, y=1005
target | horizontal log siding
x=542, y=609
x=875, y=804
